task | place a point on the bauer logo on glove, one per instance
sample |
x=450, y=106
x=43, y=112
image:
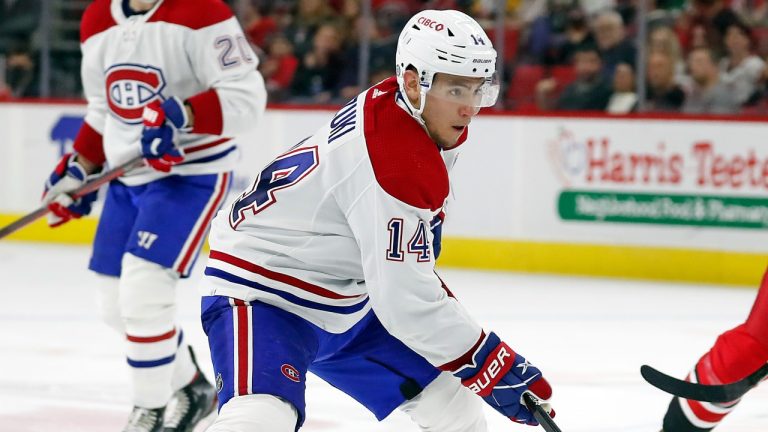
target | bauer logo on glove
x=500, y=376
x=499, y=362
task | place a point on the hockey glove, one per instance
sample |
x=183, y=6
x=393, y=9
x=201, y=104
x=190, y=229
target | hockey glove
x=158, y=138
x=66, y=177
x=500, y=376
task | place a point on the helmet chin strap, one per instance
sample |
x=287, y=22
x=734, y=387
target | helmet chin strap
x=416, y=112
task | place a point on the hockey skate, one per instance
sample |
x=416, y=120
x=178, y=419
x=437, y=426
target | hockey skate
x=145, y=420
x=190, y=404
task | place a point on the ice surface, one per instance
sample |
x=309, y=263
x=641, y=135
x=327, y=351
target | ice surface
x=62, y=370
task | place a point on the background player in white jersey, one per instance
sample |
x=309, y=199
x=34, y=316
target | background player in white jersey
x=736, y=354
x=326, y=264
x=174, y=80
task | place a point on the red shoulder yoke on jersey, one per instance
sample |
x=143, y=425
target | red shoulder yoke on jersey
x=96, y=18
x=193, y=14
x=406, y=162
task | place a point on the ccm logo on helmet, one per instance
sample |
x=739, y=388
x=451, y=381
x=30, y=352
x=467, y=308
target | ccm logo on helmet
x=290, y=372
x=130, y=87
x=430, y=23
x=479, y=383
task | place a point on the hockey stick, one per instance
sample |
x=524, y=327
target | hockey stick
x=75, y=194
x=702, y=392
x=539, y=413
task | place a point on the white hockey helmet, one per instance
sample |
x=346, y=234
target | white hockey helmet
x=450, y=42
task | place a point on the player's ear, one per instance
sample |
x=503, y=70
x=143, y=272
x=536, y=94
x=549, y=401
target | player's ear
x=412, y=88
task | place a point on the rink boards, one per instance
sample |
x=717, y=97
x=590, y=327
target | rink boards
x=657, y=198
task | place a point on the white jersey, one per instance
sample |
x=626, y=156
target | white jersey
x=191, y=49
x=344, y=222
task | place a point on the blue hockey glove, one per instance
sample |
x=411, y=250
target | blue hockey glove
x=500, y=376
x=158, y=138
x=66, y=177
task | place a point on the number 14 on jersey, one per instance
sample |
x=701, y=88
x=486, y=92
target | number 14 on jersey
x=417, y=245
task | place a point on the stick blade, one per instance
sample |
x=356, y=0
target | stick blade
x=701, y=392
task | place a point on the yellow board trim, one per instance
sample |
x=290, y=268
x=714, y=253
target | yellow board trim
x=636, y=262
x=78, y=231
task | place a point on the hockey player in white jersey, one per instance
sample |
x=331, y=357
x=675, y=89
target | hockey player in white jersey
x=326, y=263
x=176, y=81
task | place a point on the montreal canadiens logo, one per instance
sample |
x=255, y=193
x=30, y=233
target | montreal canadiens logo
x=130, y=87
x=290, y=372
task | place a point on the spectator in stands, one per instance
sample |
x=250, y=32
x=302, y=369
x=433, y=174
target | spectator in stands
x=317, y=76
x=530, y=10
x=309, y=16
x=627, y=10
x=279, y=67
x=759, y=105
x=741, y=70
x=699, y=36
x=259, y=24
x=615, y=47
x=383, y=45
x=708, y=94
x=663, y=39
x=751, y=12
x=576, y=34
x=521, y=11
x=20, y=72
x=624, y=97
x=18, y=20
x=589, y=92
x=663, y=93
x=348, y=84
x=596, y=7
x=350, y=10
x=391, y=16
x=715, y=18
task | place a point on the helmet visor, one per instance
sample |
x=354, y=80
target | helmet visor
x=473, y=92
